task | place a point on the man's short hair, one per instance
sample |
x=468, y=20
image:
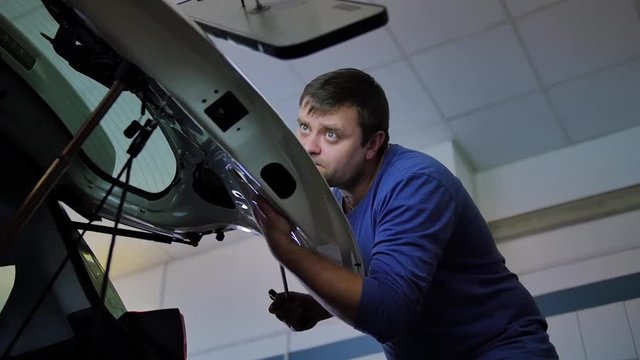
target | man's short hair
x=350, y=87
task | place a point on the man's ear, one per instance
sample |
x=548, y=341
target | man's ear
x=374, y=145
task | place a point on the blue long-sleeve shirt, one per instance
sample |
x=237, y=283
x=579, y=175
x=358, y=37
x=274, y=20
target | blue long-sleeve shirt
x=436, y=285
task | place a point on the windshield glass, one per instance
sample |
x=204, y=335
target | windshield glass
x=154, y=169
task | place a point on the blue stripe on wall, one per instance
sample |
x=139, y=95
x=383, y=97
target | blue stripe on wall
x=591, y=295
x=555, y=303
x=344, y=349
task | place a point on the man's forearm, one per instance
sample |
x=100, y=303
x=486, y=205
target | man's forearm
x=336, y=288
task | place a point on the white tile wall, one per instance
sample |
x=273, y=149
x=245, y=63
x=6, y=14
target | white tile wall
x=564, y=332
x=223, y=294
x=575, y=172
x=142, y=290
x=606, y=333
x=249, y=350
x=572, y=244
x=132, y=254
x=326, y=332
x=581, y=272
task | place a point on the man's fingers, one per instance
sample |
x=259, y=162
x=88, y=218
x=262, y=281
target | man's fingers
x=274, y=307
x=257, y=212
x=267, y=210
x=280, y=300
x=264, y=206
x=292, y=318
x=285, y=309
x=291, y=310
x=264, y=212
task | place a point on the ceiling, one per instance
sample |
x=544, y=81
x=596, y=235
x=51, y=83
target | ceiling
x=503, y=79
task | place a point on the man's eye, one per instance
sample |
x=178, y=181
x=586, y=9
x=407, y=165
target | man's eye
x=304, y=127
x=331, y=135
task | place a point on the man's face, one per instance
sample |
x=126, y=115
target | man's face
x=334, y=142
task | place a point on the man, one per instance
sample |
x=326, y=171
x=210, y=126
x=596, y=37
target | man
x=436, y=285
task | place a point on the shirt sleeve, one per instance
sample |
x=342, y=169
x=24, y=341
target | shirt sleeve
x=413, y=222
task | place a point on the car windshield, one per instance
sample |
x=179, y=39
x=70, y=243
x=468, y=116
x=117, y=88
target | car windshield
x=155, y=168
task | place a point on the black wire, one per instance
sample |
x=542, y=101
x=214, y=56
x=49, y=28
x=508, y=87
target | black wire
x=105, y=278
x=94, y=215
x=56, y=274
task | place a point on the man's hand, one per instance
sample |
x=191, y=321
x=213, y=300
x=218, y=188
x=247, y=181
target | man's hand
x=298, y=311
x=337, y=289
x=276, y=228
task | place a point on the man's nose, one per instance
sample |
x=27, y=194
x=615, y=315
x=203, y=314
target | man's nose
x=311, y=144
